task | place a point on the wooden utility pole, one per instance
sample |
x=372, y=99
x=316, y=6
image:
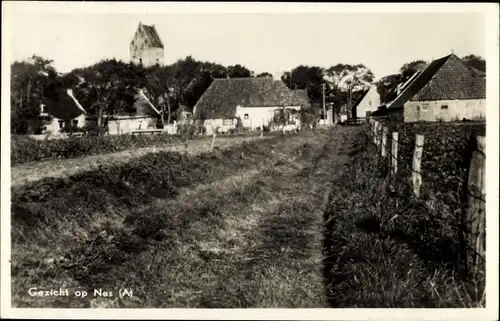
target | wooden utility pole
x=324, y=106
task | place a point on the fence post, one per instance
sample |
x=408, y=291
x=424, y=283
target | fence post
x=394, y=153
x=379, y=133
x=384, y=141
x=417, y=159
x=262, y=129
x=375, y=128
x=475, y=217
x=214, y=134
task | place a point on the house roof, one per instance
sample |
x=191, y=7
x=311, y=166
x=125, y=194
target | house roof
x=446, y=78
x=223, y=96
x=302, y=93
x=152, y=35
x=143, y=106
x=481, y=73
x=185, y=108
x=360, y=98
x=63, y=104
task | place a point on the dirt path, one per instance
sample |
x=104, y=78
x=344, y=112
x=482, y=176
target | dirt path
x=251, y=239
x=32, y=172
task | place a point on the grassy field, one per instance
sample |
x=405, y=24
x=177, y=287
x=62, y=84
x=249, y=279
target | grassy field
x=34, y=171
x=384, y=248
x=237, y=228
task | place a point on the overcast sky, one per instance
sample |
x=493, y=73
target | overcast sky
x=272, y=42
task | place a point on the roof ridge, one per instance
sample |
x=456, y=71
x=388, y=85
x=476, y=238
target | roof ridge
x=422, y=74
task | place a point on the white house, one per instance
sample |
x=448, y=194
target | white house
x=51, y=113
x=145, y=117
x=367, y=103
x=446, y=90
x=254, y=101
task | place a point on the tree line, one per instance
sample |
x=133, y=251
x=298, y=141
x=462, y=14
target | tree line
x=110, y=86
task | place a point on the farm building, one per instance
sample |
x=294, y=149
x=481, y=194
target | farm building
x=367, y=103
x=254, y=101
x=446, y=90
x=146, y=116
x=62, y=112
x=146, y=47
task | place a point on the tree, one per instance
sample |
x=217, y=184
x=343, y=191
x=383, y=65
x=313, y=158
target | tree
x=264, y=74
x=306, y=77
x=475, y=62
x=408, y=69
x=387, y=87
x=239, y=71
x=28, y=79
x=349, y=79
x=107, y=83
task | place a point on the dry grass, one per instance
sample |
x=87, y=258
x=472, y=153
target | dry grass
x=243, y=228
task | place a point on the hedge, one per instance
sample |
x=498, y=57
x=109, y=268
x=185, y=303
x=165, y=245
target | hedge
x=25, y=149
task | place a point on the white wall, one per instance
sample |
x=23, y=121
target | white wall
x=329, y=118
x=127, y=125
x=258, y=116
x=55, y=127
x=370, y=102
x=473, y=109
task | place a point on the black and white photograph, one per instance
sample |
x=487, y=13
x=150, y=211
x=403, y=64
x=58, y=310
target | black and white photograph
x=307, y=161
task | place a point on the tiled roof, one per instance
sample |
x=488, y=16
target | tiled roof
x=153, y=36
x=453, y=80
x=479, y=72
x=143, y=107
x=223, y=95
x=447, y=78
x=418, y=82
x=302, y=93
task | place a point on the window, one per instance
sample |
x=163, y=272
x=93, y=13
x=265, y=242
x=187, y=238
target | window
x=246, y=116
x=227, y=122
x=425, y=107
x=43, y=109
x=418, y=108
x=75, y=122
x=61, y=124
x=444, y=106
